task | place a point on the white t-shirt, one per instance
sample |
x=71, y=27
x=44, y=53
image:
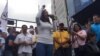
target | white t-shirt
x=44, y=33
x=22, y=48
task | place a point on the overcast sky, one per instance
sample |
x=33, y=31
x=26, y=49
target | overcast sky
x=24, y=9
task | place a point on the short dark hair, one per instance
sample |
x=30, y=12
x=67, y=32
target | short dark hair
x=98, y=15
x=61, y=24
x=10, y=28
x=31, y=26
x=78, y=26
x=24, y=25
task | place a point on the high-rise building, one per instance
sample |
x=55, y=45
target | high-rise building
x=74, y=6
x=65, y=9
x=59, y=9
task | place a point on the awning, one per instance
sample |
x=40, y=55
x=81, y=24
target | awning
x=87, y=13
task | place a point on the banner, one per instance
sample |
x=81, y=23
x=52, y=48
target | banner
x=3, y=19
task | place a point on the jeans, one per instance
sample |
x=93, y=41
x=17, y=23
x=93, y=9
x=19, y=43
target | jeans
x=44, y=49
x=8, y=53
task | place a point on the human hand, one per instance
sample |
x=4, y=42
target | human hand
x=73, y=32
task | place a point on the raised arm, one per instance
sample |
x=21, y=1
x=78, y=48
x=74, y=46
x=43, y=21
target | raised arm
x=39, y=15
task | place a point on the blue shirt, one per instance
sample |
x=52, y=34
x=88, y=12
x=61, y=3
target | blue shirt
x=96, y=29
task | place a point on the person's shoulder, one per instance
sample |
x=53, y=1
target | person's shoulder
x=19, y=35
x=29, y=35
x=93, y=25
x=65, y=31
x=56, y=31
x=10, y=36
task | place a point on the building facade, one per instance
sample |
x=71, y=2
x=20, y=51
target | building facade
x=74, y=6
x=65, y=9
x=59, y=10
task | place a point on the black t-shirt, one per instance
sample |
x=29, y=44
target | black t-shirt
x=12, y=38
x=91, y=49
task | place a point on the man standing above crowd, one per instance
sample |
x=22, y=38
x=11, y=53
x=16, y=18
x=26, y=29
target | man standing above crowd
x=96, y=28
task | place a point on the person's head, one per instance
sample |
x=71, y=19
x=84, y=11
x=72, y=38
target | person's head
x=44, y=16
x=14, y=29
x=96, y=18
x=61, y=26
x=32, y=32
x=10, y=30
x=36, y=30
x=24, y=28
x=31, y=27
x=77, y=28
x=87, y=25
x=91, y=36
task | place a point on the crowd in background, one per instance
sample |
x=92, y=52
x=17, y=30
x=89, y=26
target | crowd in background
x=16, y=43
x=43, y=41
x=83, y=41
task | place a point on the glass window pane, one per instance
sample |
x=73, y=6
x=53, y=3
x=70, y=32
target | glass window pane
x=12, y=25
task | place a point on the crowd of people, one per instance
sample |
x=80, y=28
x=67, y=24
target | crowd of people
x=44, y=41
x=84, y=41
